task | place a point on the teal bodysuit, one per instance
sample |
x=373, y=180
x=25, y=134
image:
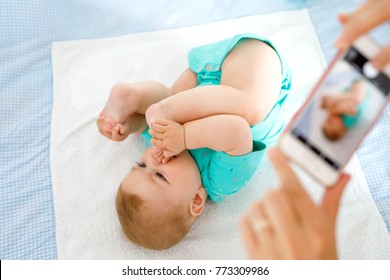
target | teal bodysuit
x=223, y=174
x=350, y=121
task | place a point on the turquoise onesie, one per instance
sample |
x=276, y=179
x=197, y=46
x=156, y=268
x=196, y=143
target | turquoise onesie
x=221, y=173
x=350, y=121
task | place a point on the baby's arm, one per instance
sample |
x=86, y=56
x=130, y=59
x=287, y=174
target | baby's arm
x=227, y=133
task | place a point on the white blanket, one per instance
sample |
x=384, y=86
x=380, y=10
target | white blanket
x=87, y=168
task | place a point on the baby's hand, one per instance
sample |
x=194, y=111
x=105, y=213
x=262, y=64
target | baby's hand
x=169, y=136
x=158, y=155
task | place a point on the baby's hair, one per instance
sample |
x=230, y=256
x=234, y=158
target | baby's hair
x=151, y=229
x=331, y=136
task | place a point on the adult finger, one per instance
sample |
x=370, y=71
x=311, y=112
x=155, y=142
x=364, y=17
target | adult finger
x=281, y=166
x=343, y=18
x=382, y=59
x=260, y=224
x=249, y=239
x=282, y=214
x=307, y=211
x=331, y=199
x=361, y=21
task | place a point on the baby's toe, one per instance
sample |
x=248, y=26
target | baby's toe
x=117, y=134
x=122, y=129
x=108, y=124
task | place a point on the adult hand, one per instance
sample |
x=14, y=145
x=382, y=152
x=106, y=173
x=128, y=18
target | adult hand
x=287, y=224
x=371, y=14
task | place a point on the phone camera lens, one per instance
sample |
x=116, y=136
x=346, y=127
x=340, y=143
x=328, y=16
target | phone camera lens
x=370, y=71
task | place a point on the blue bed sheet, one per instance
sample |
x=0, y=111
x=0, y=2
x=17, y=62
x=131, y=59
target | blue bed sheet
x=27, y=29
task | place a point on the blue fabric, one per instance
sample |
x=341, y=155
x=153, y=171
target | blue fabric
x=27, y=29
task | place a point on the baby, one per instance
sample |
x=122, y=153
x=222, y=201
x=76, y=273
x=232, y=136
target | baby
x=344, y=110
x=208, y=131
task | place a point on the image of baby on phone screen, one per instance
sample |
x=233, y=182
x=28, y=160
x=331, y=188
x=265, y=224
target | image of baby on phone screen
x=209, y=132
x=345, y=110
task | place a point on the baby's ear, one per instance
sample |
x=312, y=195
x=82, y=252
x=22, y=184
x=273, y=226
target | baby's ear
x=197, y=204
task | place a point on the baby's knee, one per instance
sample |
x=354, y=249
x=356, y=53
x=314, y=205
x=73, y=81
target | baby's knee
x=254, y=111
x=242, y=137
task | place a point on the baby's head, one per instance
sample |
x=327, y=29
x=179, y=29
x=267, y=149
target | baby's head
x=157, y=203
x=334, y=127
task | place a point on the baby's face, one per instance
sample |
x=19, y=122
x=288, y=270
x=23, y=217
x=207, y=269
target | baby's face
x=334, y=127
x=162, y=184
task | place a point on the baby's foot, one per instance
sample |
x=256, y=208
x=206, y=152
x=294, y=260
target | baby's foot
x=117, y=117
x=111, y=128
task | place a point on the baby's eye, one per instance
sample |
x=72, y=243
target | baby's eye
x=159, y=175
x=142, y=165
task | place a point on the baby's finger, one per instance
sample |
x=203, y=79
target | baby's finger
x=162, y=122
x=159, y=158
x=158, y=127
x=168, y=154
x=155, y=134
x=165, y=160
x=157, y=142
x=156, y=150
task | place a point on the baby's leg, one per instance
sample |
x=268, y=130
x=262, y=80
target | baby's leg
x=346, y=102
x=250, y=85
x=125, y=109
x=357, y=91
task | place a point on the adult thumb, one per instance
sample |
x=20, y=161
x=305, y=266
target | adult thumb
x=331, y=200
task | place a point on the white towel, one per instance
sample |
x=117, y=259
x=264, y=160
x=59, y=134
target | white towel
x=87, y=168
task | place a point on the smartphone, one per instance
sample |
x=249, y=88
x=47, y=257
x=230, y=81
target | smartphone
x=341, y=109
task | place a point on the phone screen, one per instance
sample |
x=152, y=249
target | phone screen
x=341, y=112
